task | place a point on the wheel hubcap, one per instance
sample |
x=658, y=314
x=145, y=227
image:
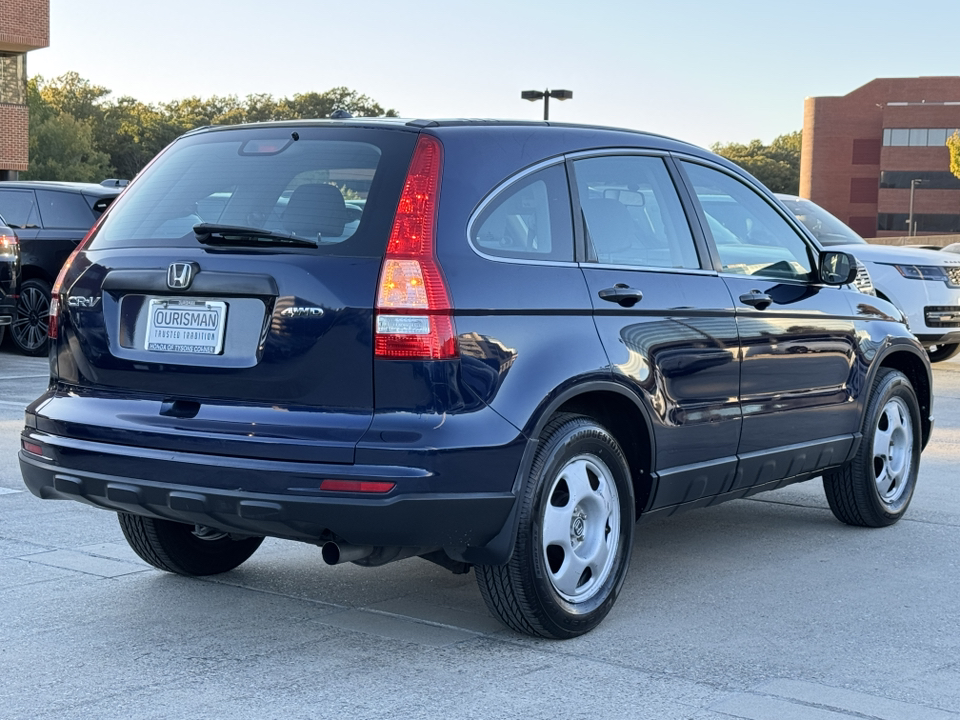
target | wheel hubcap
x=581, y=528
x=893, y=450
x=30, y=325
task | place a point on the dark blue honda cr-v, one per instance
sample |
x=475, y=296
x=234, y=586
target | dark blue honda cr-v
x=488, y=344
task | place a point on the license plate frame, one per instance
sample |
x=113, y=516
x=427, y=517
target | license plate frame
x=174, y=333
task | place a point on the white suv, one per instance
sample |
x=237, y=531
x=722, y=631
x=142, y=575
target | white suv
x=924, y=284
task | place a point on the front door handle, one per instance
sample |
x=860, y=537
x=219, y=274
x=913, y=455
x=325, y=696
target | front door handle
x=623, y=295
x=757, y=299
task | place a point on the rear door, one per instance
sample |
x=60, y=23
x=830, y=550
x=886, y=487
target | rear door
x=262, y=345
x=798, y=370
x=666, y=322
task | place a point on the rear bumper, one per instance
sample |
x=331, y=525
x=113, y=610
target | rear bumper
x=425, y=519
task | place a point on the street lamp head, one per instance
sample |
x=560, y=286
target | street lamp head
x=531, y=95
x=561, y=94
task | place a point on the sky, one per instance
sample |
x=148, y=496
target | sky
x=699, y=70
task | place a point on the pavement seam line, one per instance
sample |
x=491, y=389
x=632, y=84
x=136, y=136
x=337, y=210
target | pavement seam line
x=344, y=608
x=846, y=711
x=421, y=621
x=816, y=507
x=24, y=558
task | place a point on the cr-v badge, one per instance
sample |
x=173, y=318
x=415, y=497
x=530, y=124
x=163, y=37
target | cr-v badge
x=82, y=301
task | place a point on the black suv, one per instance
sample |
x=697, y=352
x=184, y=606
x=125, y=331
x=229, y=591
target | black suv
x=50, y=218
x=488, y=344
x=9, y=275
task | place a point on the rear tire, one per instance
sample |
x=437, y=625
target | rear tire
x=29, y=329
x=177, y=548
x=874, y=489
x=939, y=353
x=574, y=537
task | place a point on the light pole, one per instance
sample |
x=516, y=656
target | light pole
x=534, y=95
x=911, y=228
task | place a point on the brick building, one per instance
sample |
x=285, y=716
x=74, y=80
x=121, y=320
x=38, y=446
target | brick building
x=863, y=151
x=24, y=26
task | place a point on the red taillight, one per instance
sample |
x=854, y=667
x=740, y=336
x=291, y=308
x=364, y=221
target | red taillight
x=8, y=242
x=53, y=323
x=358, y=486
x=32, y=448
x=414, y=314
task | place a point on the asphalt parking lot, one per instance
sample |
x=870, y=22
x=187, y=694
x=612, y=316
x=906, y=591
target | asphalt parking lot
x=763, y=608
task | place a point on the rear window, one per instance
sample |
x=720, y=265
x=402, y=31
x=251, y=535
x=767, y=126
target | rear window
x=337, y=186
x=64, y=210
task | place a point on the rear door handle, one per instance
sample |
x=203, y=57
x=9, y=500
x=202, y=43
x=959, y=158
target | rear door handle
x=757, y=299
x=623, y=295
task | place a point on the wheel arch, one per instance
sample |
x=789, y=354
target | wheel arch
x=910, y=361
x=612, y=405
x=34, y=272
x=624, y=416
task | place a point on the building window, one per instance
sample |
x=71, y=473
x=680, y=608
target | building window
x=863, y=225
x=926, y=222
x=13, y=78
x=863, y=190
x=866, y=152
x=916, y=137
x=931, y=179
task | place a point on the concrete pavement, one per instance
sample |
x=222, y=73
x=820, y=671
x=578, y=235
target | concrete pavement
x=761, y=608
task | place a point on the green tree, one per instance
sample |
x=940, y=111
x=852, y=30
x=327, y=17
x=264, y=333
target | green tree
x=79, y=132
x=321, y=105
x=953, y=144
x=62, y=146
x=776, y=165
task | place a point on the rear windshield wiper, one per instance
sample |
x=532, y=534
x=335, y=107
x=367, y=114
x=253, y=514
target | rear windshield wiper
x=212, y=234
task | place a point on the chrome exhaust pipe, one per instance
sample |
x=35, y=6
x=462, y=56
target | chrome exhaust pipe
x=336, y=553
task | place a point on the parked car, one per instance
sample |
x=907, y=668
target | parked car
x=924, y=284
x=521, y=339
x=9, y=275
x=50, y=218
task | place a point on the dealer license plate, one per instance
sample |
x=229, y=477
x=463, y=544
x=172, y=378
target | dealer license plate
x=186, y=326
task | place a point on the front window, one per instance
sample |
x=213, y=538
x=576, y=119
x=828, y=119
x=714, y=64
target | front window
x=752, y=238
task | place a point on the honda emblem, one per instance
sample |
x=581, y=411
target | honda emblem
x=180, y=275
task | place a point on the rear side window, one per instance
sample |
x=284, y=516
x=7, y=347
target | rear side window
x=338, y=187
x=61, y=210
x=19, y=208
x=530, y=219
x=632, y=213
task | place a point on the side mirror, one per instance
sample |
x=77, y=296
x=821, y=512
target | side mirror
x=837, y=268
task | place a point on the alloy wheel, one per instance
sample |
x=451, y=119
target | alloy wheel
x=30, y=326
